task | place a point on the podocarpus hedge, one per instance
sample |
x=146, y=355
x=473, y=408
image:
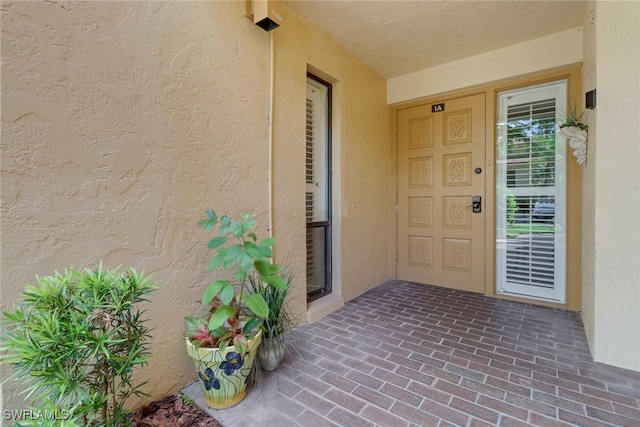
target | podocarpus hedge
x=74, y=341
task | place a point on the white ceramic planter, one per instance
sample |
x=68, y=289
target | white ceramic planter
x=578, y=141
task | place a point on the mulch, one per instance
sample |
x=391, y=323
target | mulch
x=172, y=411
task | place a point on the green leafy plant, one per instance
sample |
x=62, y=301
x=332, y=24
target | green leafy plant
x=277, y=324
x=187, y=400
x=235, y=314
x=279, y=320
x=75, y=339
x=573, y=118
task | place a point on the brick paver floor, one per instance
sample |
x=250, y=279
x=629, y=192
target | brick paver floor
x=405, y=354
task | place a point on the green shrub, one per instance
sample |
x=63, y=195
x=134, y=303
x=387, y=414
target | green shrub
x=235, y=314
x=74, y=341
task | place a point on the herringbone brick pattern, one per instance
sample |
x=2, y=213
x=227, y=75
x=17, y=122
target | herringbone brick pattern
x=405, y=354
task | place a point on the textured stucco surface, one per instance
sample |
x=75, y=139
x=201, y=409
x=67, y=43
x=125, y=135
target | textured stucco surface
x=612, y=233
x=589, y=179
x=123, y=121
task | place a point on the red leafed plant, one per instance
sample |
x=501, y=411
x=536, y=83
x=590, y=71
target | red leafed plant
x=235, y=313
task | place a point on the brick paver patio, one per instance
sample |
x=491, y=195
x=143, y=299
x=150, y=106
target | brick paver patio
x=405, y=354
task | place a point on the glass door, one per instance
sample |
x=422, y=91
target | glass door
x=318, y=187
x=531, y=193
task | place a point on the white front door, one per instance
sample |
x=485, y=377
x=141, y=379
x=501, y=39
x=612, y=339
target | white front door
x=531, y=182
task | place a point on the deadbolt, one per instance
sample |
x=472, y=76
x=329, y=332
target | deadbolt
x=478, y=171
x=476, y=203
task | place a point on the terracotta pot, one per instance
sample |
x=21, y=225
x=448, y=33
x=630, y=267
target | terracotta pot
x=223, y=375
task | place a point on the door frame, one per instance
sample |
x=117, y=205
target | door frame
x=573, y=75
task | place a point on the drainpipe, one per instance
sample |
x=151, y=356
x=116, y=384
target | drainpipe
x=270, y=136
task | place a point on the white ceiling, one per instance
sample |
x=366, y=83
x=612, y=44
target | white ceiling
x=400, y=37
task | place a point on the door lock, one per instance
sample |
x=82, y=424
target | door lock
x=476, y=204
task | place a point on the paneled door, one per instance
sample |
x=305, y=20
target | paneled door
x=441, y=173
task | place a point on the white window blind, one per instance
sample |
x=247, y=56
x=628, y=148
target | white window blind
x=316, y=153
x=531, y=193
x=310, y=145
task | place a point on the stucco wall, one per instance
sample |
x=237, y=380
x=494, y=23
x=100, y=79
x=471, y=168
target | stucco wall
x=360, y=150
x=612, y=234
x=589, y=179
x=123, y=121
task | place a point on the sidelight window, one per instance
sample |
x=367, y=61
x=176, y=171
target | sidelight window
x=318, y=187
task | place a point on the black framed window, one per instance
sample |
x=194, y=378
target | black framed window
x=318, y=187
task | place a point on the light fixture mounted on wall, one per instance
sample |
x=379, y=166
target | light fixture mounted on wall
x=263, y=14
x=590, y=99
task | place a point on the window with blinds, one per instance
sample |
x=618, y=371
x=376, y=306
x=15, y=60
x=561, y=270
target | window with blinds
x=318, y=186
x=531, y=193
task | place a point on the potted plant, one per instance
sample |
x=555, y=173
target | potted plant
x=224, y=341
x=74, y=341
x=277, y=323
x=576, y=133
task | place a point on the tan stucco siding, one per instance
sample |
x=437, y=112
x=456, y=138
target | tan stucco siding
x=123, y=121
x=611, y=231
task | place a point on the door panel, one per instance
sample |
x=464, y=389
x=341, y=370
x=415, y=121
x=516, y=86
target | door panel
x=440, y=240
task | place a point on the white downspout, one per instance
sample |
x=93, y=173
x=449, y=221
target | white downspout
x=270, y=136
